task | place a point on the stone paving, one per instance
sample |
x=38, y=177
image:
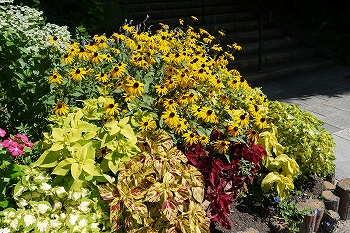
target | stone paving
x=325, y=93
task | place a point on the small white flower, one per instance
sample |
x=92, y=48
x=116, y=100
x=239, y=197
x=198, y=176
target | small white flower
x=94, y=225
x=60, y=190
x=56, y=206
x=84, y=206
x=76, y=196
x=29, y=219
x=14, y=223
x=42, y=225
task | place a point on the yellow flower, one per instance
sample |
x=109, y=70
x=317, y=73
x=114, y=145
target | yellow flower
x=221, y=32
x=77, y=74
x=147, y=123
x=261, y=122
x=83, y=54
x=108, y=58
x=55, y=78
x=203, y=139
x=101, y=77
x=252, y=135
x=118, y=70
x=194, y=18
x=96, y=58
x=242, y=118
x=233, y=130
x=161, y=89
x=170, y=104
x=222, y=146
x=208, y=115
x=181, y=21
x=67, y=59
x=190, y=137
x=170, y=118
x=134, y=88
x=181, y=127
x=111, y=108
x=60, y=108
x=102, y=152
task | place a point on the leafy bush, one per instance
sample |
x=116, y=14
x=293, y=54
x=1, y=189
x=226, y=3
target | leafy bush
x=44, y=208
x=12, y=151
x=156, y=191
x=304, y=139
x=81, y=148
x=26, y=55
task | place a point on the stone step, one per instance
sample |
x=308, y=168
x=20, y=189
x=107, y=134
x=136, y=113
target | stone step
x=283, y=69
x=233, y=26
x=267, y=45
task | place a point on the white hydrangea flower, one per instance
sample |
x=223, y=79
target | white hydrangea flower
x=29, y=219
x=63, y=215
x=85, y=192
x=84, y=206
x=42, y=225
x=45, y=186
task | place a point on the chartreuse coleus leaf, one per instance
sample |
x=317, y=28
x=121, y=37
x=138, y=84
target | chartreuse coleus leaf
x=283, y=184
x=81, y=161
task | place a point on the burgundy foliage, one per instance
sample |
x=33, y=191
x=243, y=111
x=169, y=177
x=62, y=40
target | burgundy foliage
x=223, y=179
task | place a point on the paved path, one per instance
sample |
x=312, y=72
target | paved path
x=326, y=94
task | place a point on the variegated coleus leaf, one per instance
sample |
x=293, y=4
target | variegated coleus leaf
x=169, y=210
x=108, y=191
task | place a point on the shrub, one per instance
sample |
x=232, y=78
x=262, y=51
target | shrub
x=44, y=208
x=26, y=55
x=156, y=191
x=304, y=139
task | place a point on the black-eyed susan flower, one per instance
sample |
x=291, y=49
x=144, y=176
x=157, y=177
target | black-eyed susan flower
x=221, y=32
x=260, y=122
x=170, y=118
x=181, y=22
x=103, y=151
x=83, y=54
x=77, y=74
x=208, y=115
x=118, y=70
x=96, y=58
x=111, y=108
x=252, y=135
x=108, y=58
x=67, y=59
x=194, y=17
x=190, y=137
x=60, y=108
x=55, y=78
x=102, y=77
x=181, y=127
x=196, y=110
x=134, y=88
x=53, y=39
x=128, y=97
x=222, y=146
x=170, y=104
x=203, y=139
x=233, y=130
x=242, y=118
x=147, y=123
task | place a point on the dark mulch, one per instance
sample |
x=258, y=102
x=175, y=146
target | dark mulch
x=249, y=212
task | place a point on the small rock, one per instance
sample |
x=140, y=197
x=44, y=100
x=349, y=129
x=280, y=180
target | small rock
x=249, y=230
x=329, y=186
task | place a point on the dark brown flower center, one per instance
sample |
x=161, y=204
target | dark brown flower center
x=111, y=105
x=136, y=85
x=242, y=117
x=262, y=120
x=192, y=135
x=77, y=71
x=172, y=114
x=209, y=112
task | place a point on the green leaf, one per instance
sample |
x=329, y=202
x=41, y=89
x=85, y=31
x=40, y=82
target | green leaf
x=76, y=170
x=48, y=159
x=90, y=168
x=112, y=127
x=63, y=167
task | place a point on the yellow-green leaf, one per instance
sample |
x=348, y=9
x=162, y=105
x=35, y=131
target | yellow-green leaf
x=76, y=170
x=63, y=167
x=112, y=127
x=269, y=181
x=90, y=167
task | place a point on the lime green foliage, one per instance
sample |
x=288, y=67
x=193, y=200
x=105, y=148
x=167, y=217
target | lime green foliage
x=26, y=55
x=304, y=139
x=82, y=149
x=156, y=191
x=44, y=208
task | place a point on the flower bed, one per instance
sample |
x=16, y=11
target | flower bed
x=155, y=129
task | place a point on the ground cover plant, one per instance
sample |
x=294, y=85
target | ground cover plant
x=159, y=116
